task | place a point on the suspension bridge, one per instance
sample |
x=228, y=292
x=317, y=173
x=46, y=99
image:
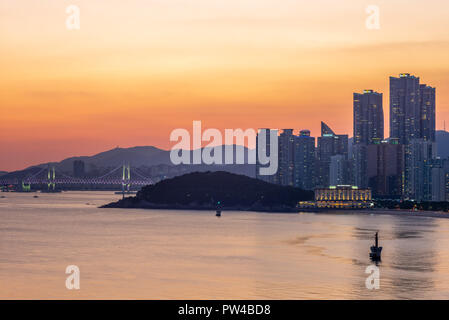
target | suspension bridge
x=120, y=176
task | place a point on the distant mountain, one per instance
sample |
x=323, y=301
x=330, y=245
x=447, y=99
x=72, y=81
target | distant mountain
x=154, y=162
x=135, y=156
x=442, y=138
x=2, y=173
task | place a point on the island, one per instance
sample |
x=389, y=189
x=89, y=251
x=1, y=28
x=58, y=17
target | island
x=207, y=190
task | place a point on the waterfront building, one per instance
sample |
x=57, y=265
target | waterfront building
x=344, y=196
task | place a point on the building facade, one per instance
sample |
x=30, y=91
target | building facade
x=385, y=169
x=342, y=197
x=304, y=161
x=329, y=144
x=368, y=117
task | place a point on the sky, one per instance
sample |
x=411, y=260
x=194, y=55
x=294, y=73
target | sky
x=138, y=69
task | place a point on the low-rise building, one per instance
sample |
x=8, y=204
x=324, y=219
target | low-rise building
x=343, y=196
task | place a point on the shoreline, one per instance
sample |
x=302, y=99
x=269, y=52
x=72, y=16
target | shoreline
x=129, y=204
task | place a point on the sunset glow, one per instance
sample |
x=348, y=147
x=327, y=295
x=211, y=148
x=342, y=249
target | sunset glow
x=136, y=70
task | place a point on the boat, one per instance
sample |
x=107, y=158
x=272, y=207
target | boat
x=218, y=209
x=376, y=251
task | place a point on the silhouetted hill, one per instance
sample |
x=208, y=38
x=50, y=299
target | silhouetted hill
x=202, y=190
x=2, y=173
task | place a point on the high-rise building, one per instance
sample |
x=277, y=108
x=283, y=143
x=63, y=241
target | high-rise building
x=359, y=156
x=78, y=169
x=412, y=109
x=286, y=157
x=368, y=117
x=427, y=102
x=440, y=175
x=338, y=170
x=329, y=144
x=405, y=115
x=420, y=155
x=265, y=149
x=385, y=169
x=304, y=161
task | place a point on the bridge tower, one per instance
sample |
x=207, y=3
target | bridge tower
x=126, y=179
x=26, y=187
x=51, y=177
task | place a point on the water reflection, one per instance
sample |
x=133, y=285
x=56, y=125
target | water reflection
x=189, y=254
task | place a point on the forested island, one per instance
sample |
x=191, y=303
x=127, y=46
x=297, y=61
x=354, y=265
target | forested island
x=204, y=190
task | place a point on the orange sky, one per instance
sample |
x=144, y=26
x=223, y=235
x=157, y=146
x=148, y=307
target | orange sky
x=138, y=69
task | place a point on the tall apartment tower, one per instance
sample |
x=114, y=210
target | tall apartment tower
x=405, y=114
x=286, y=157
x=419, y=162
x=368, y=117
x=304, y=158
x=329, y=144
x=412, y=109
x=427, y=102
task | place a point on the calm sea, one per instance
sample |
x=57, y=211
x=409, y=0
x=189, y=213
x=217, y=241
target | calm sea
x=156, y=254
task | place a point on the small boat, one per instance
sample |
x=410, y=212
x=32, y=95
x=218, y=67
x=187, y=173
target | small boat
x=218, y=214
x=376, y=251
x=35, y=196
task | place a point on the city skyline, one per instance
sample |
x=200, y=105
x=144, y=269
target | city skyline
x=367, y=95
x=129, y=76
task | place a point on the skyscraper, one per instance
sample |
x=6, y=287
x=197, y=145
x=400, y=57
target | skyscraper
x=412, y=109
x=338, y=170
x=385, y=169
x=368, y=117
x=329, y=144
x=286, y=157
x=304, y=161
x=419, y=161
x=427, y=102
x=405, y=114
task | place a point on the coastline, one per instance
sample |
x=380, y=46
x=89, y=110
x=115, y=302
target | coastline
x=382, y=211
x=132, y=203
